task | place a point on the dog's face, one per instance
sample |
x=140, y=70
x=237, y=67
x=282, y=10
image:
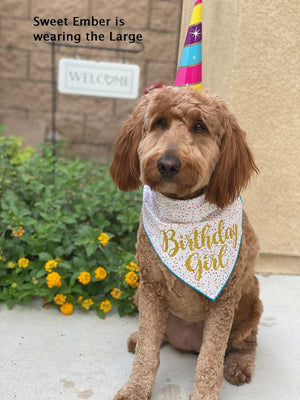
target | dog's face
x=177, y=152
x=182, y=143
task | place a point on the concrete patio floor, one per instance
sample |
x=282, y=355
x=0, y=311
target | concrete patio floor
x=48, y=356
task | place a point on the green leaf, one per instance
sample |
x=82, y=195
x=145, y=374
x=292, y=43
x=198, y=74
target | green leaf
x=45, y=256
x=40, y=273
x=10, y=303
x=65, y=265
x=100, y=314
x=69, y=220
x=29, y=221
x=91, y=248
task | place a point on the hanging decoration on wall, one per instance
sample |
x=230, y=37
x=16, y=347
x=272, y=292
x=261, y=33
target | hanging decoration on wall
x=189, y=72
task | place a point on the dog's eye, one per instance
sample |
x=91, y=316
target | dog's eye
x=161, y=123
x=198, y=128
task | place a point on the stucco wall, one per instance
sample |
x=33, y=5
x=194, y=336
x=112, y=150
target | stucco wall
x=91, y=124
x=251, y=58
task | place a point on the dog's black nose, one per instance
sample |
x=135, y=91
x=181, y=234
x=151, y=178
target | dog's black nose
x=168, y=166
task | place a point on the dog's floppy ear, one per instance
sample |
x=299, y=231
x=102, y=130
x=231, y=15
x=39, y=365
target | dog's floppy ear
x=234, y=167
x=125, y=168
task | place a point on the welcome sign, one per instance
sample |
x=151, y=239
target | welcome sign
x=102, y=79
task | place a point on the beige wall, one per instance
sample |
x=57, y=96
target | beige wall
x=251, y=57
x=90, y=123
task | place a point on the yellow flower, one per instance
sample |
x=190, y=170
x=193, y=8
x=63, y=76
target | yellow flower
x=132, y=266
x=50, y=264
x=100, y=273
x=80, y=299
x=14, y=285
x=84, y=278
x=66, y=308
x=60, y=299
x=105, y=306
x=23, y=262
x=34, y=281
x=132, y=279
x=11, y=264
x=103, y=238
x=53, y=279
x=116, y=293
x=19, y=233
x=87, y=303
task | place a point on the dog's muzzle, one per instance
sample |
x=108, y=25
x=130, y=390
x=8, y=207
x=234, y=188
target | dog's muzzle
x=168, y=166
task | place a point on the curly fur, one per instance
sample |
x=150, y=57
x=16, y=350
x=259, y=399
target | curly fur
x=214, y=158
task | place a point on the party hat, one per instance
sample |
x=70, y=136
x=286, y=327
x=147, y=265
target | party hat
x=189, y=72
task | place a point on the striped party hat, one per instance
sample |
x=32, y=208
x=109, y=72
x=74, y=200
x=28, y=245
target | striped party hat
x=189, y=72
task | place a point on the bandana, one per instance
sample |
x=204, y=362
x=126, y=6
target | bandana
x=194, y=239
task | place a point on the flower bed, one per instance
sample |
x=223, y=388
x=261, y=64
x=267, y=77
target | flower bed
x=67, y=233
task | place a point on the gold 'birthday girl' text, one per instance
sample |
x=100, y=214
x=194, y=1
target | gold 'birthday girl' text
x=172, y=244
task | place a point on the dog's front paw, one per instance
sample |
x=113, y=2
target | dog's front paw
x=238, y=368
x=131, y=393
x=132, y=341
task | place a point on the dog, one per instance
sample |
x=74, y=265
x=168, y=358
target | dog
x=188, y=150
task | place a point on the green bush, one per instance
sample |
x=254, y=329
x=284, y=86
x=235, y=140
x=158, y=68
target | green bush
x=67, y=233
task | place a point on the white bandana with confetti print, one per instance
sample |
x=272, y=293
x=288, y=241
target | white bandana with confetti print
x=194, y=239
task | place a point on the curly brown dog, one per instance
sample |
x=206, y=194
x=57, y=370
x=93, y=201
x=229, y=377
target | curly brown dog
x=183, y=145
